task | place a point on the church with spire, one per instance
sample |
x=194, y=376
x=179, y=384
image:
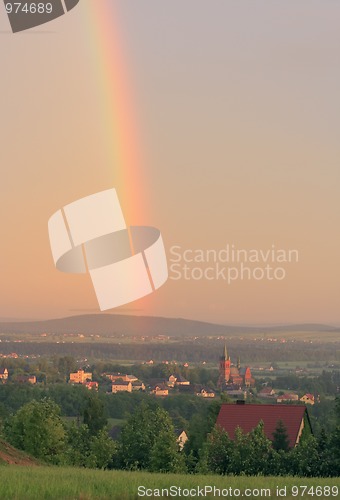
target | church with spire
x=233, y=376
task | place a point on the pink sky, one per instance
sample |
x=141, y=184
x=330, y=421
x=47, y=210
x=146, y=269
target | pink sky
x=237, y=107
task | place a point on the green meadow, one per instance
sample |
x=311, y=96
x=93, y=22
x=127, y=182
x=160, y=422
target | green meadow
x=53, y=483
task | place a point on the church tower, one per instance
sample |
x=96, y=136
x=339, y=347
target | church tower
x=224, y=368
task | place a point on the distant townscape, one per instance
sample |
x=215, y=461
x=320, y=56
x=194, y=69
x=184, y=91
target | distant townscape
x=200, y=402
x=233, y=381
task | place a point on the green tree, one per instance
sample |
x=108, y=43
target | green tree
x=253, y=452
x=37, y=428
x=201, y=423
x=280, y=435
x=335, y=452
x=94, y=414
x=165, y=455
x=78, y=449
x=217, y=452
x=326, y=462
x=241, y=451
x=137, y=438
x=103, y=450
x=304, y=458
x=148, y=441
x=260, y=452
x=85, y=450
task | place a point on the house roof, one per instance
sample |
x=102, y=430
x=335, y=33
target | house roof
x=266, y=390
x=308, y=395
x=178, y=432
x=199, y=388
x=288, y=396
x=160, y=387
x=120, y=382
x=247, y=417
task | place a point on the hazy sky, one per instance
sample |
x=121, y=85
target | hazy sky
x=237, y=107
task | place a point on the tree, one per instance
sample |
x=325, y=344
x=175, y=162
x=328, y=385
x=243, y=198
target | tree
x=201, y=423
x=280, y=435
x=137, y=438
x=241, y=452
x=94, y=414
x=326, y=461
x=260, y=452
x=103, y=450
x=165, y=455
x=304, y=458
x=253, y=452
x=148, y=441
x=37, y=428
x=85, y=450
x=78, y=450
x=217, y=452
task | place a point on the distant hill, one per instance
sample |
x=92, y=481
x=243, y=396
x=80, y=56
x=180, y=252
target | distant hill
x=12, y=456
x=146, y=325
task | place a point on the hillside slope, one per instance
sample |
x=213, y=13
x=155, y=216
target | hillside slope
x=12, y=456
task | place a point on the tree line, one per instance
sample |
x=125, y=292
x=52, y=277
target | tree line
x=192, y=351
x=148, y=442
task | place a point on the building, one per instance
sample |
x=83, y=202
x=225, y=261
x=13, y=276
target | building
x=121, y=386
x=80, y=377
x=285, y=398
x=236, y=393
x=308, y=399
x=234, y=375
x=181, y=381
x=172, y=380
x=3, y=374
x=26, y=379
x=92, y=386
x=181, y=438
x=247, y=416
x=204, y=392
x=266, y=392
x=120, y=376
x=137, y=385
x=160, y=390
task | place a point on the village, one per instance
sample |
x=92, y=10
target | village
x=234, y=381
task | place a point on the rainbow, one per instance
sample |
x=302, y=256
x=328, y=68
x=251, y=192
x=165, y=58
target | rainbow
x=115, y=98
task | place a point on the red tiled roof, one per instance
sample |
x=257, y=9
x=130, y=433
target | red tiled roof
x=247, y=418
x=308, y=395
x=288, y=397
x=266, y=390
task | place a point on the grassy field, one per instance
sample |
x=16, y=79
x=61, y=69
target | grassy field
x=40, y=483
